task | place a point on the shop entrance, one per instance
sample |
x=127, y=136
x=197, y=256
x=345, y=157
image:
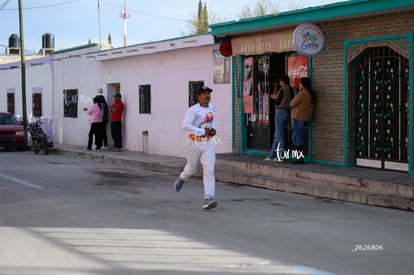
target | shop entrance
x=382, y=110
x=261, y=75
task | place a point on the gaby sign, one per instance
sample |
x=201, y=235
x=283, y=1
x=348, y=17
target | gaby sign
x=308, y=39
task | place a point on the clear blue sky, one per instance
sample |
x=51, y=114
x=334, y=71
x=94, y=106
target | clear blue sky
x=75, y=22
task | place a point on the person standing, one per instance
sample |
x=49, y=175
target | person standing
x=199, y=123
x=95, y=119
x=105, y=119
x=302, y=111
x=117, y=110
x=282, y=117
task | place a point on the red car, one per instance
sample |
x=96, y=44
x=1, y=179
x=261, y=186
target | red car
x=12, y=134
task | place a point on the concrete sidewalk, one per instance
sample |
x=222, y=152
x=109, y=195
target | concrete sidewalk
x=359, y=185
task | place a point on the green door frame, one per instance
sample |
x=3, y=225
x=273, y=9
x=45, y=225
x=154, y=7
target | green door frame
x=347, y=44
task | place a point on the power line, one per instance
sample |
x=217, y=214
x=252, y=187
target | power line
x=4, y=3
x=37, y=7
x=147, y=14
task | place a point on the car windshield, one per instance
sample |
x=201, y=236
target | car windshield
x=7, y=119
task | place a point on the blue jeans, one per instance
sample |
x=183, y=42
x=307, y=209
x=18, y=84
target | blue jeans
x=299, y=132
x=278, y=146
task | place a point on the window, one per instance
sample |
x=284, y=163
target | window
x=37, y=104
x=145, y=99
x=10, y=103
x=193, y=86
x=70, y=103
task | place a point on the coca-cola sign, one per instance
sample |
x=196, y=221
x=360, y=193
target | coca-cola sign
x=308, y=39
x=297, y=68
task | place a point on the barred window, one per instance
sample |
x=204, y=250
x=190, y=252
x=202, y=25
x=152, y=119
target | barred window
x=193, y=86
x=70, y=103
x=37, y=104
x=145, y=99
x=10, y=103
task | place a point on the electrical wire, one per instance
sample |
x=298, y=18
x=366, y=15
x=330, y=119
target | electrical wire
x=147, y=14
x=37, y=7
x=2, y=5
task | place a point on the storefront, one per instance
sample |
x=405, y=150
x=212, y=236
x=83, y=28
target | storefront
x=264, y=59
x=358, y=55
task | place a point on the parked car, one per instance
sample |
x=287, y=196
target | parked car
x=12, y=134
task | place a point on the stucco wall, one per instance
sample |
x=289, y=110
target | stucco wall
x=73, y=71
x=169, y=74
x=38, y=80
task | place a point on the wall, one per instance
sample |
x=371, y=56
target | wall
x=39, y=75
x=169, y=74
x=167, y=71
x=328, y=69
x=331, y=123
x=73, y=71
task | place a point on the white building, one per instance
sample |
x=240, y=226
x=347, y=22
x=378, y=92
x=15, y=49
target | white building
x=156, y=81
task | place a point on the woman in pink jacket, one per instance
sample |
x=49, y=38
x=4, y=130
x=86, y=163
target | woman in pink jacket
x=95, y=113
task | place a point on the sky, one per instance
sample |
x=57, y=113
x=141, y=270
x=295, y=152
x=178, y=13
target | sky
x=76, y=22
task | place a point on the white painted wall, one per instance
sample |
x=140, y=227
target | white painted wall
x=167, y=66
x=38, y=79
x=73, y=71
x=169, y=74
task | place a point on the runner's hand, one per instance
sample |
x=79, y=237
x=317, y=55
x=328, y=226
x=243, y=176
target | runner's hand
x=210, y=132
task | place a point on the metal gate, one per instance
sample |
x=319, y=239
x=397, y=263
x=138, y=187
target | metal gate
x=382, y=110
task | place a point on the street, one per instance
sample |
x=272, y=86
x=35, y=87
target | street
x=64, y=215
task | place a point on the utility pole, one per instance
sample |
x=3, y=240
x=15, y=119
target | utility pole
x=99, y=24
x=23, y=67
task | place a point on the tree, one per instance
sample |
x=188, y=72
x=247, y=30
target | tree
x=109, y=39
x=262, y=7
x=202, y=18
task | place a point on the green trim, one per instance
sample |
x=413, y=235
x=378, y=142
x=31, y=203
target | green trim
x=329, y=163
x=308, y=158
x=410, y=38
x=347, y=44
x=336, y=11
x=233, y=123
x=255, y=152
x=243, y=130
x=345, y=110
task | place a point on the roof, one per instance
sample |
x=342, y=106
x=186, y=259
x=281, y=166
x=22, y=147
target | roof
x=184, y=42
x=324, y=13
x=81, y=47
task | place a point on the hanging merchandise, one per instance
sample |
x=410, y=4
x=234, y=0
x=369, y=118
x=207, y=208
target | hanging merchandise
x=248, y=86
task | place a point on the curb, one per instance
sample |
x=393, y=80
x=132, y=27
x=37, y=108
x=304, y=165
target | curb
x=317, y=184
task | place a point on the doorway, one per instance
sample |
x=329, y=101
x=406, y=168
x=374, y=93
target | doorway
x=382, y=109
x=261, y=74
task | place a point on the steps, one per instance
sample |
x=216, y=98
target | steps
x=331, y=186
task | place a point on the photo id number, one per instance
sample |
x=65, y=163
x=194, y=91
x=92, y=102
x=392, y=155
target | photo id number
x=368, y=247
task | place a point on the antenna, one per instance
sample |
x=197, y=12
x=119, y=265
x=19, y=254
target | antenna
x=125, y=15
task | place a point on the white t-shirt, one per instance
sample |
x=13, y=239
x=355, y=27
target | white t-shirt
x=198, y=118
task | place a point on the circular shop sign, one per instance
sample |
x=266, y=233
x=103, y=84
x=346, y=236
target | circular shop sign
x=308, y=39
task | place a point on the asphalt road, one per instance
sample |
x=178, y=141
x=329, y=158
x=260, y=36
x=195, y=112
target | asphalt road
x=65, y=216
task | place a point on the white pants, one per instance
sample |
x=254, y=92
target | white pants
x=201, y=153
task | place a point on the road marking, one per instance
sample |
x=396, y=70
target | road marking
x=313, y=271
x=26, y=183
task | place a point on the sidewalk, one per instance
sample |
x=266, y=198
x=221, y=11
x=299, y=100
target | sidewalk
x=359, y=185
